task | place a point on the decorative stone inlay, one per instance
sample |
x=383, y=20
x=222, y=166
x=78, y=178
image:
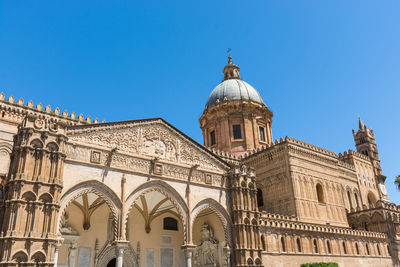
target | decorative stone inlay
x=95, y=156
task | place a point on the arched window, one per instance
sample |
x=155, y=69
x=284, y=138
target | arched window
x=378, y=249
x=371, y=200
x=283, y=244
x=344, y=247
x=260, y=200
x=170, y=224
x=366, y=246
x=356, y=198
x=358, y=251
x=365, y=226
x=263, y=242
x=298, y=245
x=315, y=246
x=320, y=193
x=212, y=138
x=328, y=245
x=388, y=250
x=348, y=196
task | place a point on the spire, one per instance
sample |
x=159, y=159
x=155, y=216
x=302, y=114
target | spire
x=231, y=71
x=361, y=125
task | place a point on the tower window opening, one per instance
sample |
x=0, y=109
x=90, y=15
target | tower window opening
x=237, y=132
x=262, y=134
x=366, y=246
x=344, y=248
x=328, y=244
x=358, y=251
x=260, y=200
x=212, y=138
x=378, y=249
x=320, y=193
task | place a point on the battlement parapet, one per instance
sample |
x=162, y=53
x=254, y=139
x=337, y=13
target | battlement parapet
x=16, y=110
x=350, y=152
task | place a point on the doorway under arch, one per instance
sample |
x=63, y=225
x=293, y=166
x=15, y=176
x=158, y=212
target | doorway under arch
x=112, y=263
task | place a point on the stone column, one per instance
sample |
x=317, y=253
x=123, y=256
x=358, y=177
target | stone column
x=55, y=257
x=56, y=248
x=120, y=258
x=188, y=250
x=227, y=252
x=72, y=254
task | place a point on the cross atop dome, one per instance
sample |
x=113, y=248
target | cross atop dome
x=231, y=71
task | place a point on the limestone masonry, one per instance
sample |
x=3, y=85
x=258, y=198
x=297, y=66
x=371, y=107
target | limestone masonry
x=76, y=192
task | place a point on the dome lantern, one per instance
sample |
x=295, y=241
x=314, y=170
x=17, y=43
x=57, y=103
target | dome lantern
x=231, y=71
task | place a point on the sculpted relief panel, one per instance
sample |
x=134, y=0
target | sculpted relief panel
x=152, y=139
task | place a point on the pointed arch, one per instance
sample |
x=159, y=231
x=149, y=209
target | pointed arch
x=38, y=256
x=20, y=256
x=112, y=200
x=6, y=147
x=109, y=252
x=166, y=190
x=28, y=196
x=46, y=198
x=219, y=210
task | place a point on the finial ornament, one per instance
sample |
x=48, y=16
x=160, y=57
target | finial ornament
x=229, y=56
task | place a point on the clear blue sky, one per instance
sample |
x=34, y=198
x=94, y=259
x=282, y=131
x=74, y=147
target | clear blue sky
x=317, y=64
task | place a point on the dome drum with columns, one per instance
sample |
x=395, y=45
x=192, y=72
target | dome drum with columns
x=235, y=118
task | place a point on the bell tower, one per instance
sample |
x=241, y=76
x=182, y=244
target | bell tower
x=235, y=118
x=365, y=143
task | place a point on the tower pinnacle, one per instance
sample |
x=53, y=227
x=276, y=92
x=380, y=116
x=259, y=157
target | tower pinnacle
x=361, y=125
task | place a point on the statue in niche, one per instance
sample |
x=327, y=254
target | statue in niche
x=206, y=252
x=66, y=228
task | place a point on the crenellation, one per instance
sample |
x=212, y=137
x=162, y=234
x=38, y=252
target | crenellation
x=22, y=109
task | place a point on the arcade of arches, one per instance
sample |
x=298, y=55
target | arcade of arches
x=154, y=229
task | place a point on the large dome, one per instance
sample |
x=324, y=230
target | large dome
x=234, y=89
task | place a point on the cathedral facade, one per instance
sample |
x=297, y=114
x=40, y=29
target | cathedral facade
x=77, y=192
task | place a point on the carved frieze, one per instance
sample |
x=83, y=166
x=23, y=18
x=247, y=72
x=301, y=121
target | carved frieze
x=151, y=139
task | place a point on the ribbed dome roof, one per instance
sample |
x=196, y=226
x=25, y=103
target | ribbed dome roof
x=234, y=89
